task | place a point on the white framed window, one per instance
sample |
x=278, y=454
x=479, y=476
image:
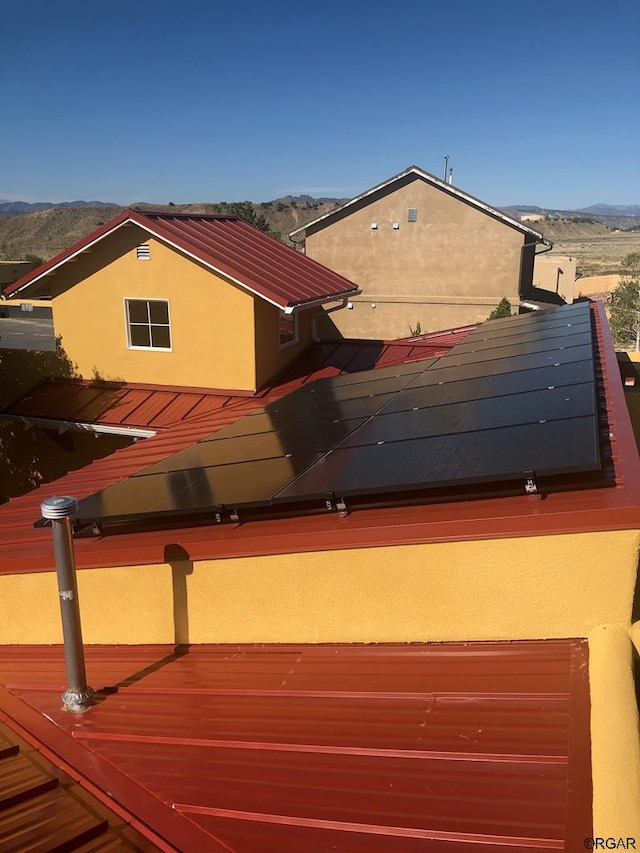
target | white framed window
x=148, y=324
x=288, y=329
x=143, y=252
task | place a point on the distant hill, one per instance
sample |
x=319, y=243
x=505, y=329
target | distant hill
x=45, y=229
x=17, y=208
x=612, y=209
x=48, y=230
x=625, y=221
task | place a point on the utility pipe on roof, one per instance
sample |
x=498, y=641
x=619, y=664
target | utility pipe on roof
x=59, y=510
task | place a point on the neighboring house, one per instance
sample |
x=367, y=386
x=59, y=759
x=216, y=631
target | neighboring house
x=386, y=604
x=11, y=271
x=423, y=252
x=182, y=299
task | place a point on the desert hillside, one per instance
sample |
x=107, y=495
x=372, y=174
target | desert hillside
x=47, y=232
x=598, y=247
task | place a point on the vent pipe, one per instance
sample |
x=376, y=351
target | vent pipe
x=446, y=166
x=60, y=510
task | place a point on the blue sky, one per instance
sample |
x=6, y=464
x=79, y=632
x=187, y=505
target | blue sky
x=205, y=100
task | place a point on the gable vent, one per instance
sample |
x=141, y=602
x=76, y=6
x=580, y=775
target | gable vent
x=412, y=214
x=143, y=252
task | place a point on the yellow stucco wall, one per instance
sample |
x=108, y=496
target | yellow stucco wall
x=213, y=321
x=537, y=587
x=271, y=359
x=615, y=744
x=450, y=267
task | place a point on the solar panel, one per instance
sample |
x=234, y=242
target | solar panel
x=513, y=405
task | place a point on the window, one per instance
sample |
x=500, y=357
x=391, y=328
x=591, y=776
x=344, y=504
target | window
x=288, y=329
x=412, y=214
x=148, y=324
x=143, y=252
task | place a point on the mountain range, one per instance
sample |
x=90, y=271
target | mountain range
x=16, y=208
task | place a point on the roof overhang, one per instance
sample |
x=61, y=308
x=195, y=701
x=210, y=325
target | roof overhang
x=430, y=179
x=80, y=426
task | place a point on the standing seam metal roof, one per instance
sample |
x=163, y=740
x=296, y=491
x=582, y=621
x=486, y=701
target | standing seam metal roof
x=300, y=749
x=228, y=245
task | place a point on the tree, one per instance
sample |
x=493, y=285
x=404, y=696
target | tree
x=246, y=211
x=624, y=307
x=503, y=310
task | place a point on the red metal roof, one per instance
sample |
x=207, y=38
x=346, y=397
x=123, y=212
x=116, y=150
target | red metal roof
x=116, y=404
x=43, y=809
x=226, y=245
x=25, y=549
x=267, y=749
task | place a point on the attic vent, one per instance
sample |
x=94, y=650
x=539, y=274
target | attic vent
x=143, y=252
x=412, y=214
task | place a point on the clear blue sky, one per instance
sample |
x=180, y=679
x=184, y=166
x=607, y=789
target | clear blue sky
x=216, y=100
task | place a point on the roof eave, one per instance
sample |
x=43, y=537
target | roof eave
x=323, y=300
x=67, y=255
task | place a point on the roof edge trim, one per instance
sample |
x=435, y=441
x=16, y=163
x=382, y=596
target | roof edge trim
x=65, y=256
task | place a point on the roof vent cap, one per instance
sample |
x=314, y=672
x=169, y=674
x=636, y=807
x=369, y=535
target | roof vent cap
x=58, y=507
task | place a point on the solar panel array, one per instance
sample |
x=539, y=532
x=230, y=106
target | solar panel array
x=512, y=407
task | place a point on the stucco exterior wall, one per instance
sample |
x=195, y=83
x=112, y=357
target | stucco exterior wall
x=270, y=358
x=556, y=273
x=214, y=342
x=450, y=267
x=520, y=588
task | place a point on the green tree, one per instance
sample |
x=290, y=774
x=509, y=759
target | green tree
x=36, y=260
x=624, y=307
x=503, y=310
x=246, y=211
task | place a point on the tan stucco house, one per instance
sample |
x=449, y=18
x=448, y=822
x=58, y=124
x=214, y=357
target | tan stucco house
x=424, y=252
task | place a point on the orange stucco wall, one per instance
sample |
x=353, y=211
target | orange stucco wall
x=215, y=342
x=450, y=267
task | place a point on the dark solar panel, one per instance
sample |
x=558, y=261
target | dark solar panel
x=514, y=404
